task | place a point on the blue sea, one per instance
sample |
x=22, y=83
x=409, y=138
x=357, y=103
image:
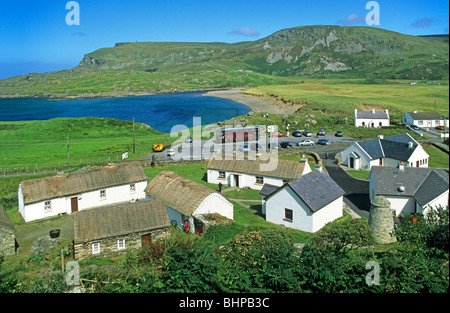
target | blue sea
x=161, y=112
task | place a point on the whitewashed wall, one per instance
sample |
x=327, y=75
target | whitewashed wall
x=215, y=203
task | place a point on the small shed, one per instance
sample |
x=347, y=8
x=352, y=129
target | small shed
x=7, y=234
x=186, y=201
x=112, y=230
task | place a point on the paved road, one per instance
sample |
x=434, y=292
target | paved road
x=356, y=191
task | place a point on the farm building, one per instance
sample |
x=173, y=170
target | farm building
x=307, y=203
x=7, y=234
x=77, y=191
x=112, y=230
x=389, y=151
x=425, y=119
x=251, y=173
x=187, y=202
x=408, y=189
x=371, y=119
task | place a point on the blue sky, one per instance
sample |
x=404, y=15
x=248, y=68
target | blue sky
x=34, y=36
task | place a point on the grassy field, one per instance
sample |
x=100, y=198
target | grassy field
x=344, y=96
x=42, y=145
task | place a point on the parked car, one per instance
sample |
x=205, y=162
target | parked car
x=277, y=147
x=322, y=132
x=244, y=148
x=323, y=142
x=305, y=142
x=297, y=133
x=278, y=134
x=339, y=133
x=255, y=147
x=188, y=139
x=307, y=133
x=171, y=152
x=285, y=145
x=440, y=127
x=415, y=127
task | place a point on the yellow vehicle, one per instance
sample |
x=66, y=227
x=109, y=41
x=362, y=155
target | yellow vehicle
x=158, y=147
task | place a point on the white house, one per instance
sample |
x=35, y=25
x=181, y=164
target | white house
x=307, y=203
x=71, y=192
x=187, y=201
x=410, y=190
x=251, y=173
x=425, y=119
x=372, y=119
x=389, y=151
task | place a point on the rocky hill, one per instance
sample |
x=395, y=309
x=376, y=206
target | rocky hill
x=314, y=51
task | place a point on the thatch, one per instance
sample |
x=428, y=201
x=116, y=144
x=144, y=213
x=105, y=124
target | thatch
x=284, y=169
x=5, y=222
x=119, y=220
x=75, y=183
x=178, y=192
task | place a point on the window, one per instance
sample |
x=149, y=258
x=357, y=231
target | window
x=221, y=175
x=120, y=244
x=96, y=248
x=288, y=214
x=259, y=180
x=103, y=194
x=47, y=206
x=420, y=123
x=133, y=187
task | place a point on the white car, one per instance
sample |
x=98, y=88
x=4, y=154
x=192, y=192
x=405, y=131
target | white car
x=171, y=152
x=305, y=142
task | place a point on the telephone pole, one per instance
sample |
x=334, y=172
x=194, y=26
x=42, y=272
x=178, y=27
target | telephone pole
x=68, y=154
x=133, y=135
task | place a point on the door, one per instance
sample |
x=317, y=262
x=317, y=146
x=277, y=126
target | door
x=236, y=180
x=146, y=240
x=74, y=204
x=352, y=162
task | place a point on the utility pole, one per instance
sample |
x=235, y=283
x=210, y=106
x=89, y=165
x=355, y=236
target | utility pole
x=133, y=135
x=68, y=154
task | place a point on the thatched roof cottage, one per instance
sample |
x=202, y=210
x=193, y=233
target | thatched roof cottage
x=185, y=200
x=72, y=192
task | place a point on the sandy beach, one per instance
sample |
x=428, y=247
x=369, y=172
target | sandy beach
x=254, y=103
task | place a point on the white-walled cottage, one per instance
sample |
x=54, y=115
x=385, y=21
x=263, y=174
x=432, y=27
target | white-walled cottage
x=424, y=119
x=410, y=189
x=187, y=201
x=306, y=204
x=251, y=173
x=372, y=119
x=77, y=191
x=389, y=151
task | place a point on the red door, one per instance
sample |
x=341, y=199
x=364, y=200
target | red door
x=146, y=240
x=74, y=204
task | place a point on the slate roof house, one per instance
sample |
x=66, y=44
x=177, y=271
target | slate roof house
x=425, y=119
x=7, y=234
x=387, y=151
x=408, y=189
x=71, y=192
x=307, y=203
x=251, y=173
x=371, y=119
x=186, y=201
x=112, y=230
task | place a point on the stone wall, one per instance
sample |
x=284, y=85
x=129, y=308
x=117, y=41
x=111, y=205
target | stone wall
x=7, y=241
x=108, y=246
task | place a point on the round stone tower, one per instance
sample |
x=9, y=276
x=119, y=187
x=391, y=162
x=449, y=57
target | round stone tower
x=381, y=220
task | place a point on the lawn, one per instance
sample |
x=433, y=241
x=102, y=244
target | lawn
x=51, y=144
x=438, y=158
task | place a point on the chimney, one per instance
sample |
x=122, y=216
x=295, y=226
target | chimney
x=401, y=166
x=380, y=136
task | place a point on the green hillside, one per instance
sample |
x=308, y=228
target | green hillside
x=314, y=51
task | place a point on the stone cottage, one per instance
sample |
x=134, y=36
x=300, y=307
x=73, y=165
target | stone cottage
x=7, y=234
x=112, y=230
